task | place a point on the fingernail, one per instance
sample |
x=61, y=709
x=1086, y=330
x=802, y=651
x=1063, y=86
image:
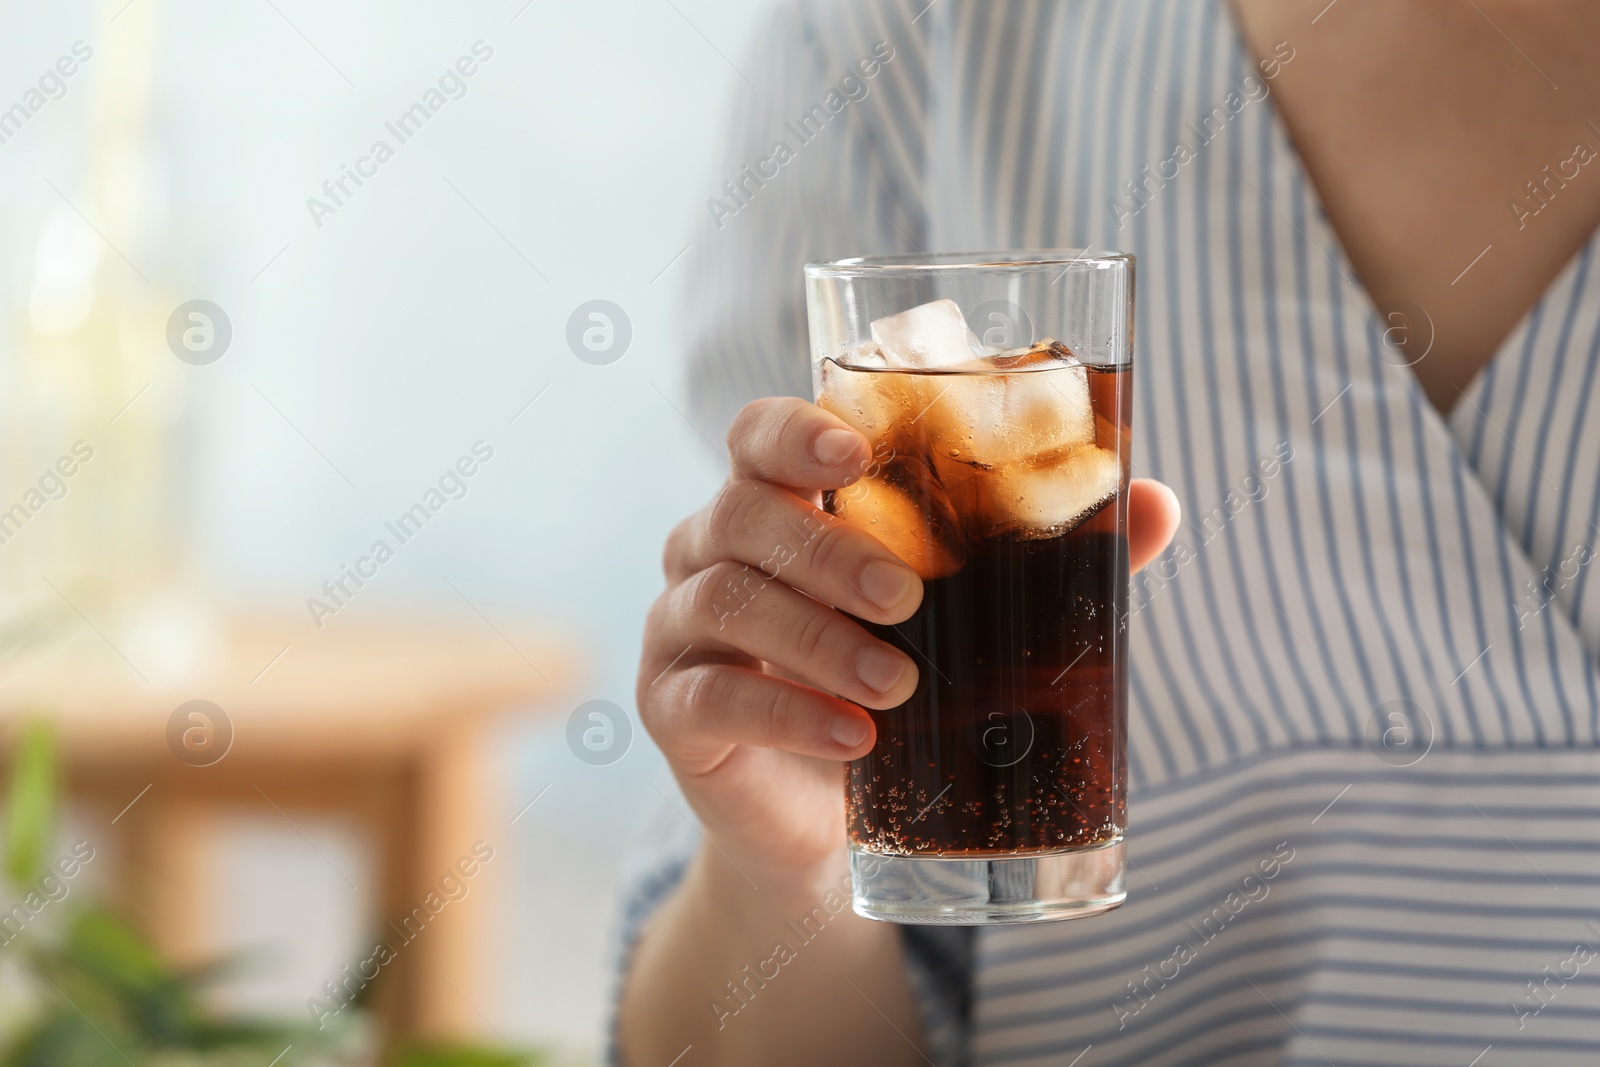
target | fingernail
x=848, y=730
x=878, y=668
x=885, y=583
x=833, y=447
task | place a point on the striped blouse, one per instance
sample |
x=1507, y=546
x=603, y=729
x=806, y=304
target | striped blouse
x=1364, y=786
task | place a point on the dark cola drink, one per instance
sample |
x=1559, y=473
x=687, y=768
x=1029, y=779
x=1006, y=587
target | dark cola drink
x=1002, y=481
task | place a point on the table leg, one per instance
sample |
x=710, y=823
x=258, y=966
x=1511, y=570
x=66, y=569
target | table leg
x=462, y=858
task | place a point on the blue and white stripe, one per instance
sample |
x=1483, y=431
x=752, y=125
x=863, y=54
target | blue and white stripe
x=1389, y=560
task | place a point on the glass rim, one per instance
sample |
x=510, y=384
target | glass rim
x=914, y=263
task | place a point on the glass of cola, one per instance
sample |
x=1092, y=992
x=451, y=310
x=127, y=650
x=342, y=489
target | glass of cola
x=995, y=389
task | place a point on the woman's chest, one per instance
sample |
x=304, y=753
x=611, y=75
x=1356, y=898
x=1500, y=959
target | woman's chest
x=1344, y=548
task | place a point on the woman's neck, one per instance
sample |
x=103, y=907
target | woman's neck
x=1422, y=124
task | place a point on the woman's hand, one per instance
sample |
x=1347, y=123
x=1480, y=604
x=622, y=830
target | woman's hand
x=753, y=679
x=753, y=682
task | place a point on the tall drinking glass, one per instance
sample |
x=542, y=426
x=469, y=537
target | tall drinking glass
x=995, y=389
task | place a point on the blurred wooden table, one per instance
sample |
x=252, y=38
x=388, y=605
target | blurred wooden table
x=385, y=726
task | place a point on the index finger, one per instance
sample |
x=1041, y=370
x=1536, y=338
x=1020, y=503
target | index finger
x=789, y=442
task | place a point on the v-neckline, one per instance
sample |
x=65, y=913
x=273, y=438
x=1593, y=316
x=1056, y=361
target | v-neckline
x=1327, y=241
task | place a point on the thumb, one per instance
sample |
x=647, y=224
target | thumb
x=1153, y=516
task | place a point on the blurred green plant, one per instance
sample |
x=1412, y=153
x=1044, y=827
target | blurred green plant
x=100, y=996
x=30, y=822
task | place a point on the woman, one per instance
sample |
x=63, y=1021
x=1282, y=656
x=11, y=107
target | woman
x=1365, y=793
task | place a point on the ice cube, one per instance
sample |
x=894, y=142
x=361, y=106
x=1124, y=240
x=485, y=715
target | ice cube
x=875, y=403
x=1039, y=354
x=1048, y=498
x=927, y=337
x=864, y=354
x=903, y=506
x=1049, y=409
x=965, y=420
x=1037, y=403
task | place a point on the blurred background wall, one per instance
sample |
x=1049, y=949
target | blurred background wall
x=374, y=340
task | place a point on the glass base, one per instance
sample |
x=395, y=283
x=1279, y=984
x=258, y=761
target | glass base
x=1003, y=889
